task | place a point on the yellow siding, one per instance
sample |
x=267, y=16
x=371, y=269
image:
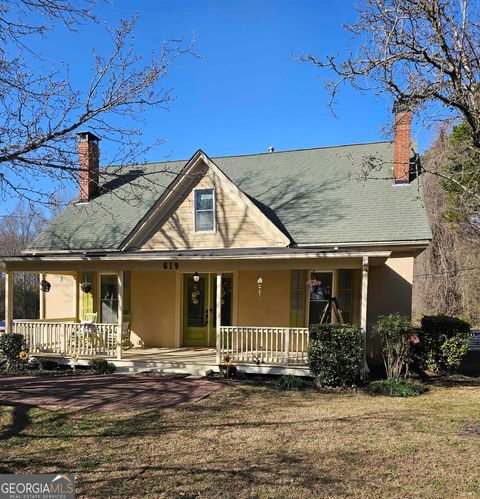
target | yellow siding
x=390, y=288
x=153, y=304
x=274, y=307
x=153, y=308
x=59, y=301
x=389, y=292
x=235, y=228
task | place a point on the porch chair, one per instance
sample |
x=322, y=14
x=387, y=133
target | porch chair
x=90, y=318
x=127, y=318
x=88, y=333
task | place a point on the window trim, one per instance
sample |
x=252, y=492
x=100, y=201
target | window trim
x=214, y=209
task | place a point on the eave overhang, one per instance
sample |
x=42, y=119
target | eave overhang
x=243, y=258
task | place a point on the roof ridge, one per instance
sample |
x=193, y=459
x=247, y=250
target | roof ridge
x=254, y=154
x=303, y=149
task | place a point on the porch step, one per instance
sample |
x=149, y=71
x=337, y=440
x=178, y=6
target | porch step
x=137, y=366
x=126, y=366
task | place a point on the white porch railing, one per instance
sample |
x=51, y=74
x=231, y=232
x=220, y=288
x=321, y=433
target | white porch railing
x=68, y=338
x=265, y=345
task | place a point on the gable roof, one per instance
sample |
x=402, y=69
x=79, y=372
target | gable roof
x=315, y=196
x=198, y=166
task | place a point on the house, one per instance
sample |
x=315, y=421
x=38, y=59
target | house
x=230, y=255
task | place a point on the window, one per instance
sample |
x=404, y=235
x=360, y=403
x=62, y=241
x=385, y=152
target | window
x=320, y=294
x=204, y=210
x=108, y=299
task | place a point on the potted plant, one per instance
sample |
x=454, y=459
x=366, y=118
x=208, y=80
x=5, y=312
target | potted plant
x=314, y=285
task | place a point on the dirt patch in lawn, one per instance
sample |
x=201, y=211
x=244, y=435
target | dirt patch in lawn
x=473, y=429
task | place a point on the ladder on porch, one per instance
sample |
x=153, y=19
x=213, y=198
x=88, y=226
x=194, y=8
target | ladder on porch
x=332, y=305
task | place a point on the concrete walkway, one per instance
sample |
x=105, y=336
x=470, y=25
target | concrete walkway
x=108, y=392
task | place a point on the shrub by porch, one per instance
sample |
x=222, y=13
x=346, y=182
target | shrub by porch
x=335, y=354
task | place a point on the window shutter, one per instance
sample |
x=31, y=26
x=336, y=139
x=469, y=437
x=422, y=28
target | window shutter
x=297, y=298
x=127, y=279
x=345, y=294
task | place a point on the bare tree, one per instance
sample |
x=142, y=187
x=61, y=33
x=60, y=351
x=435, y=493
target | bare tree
x=19, y=228
x=436, y=287
x=424, y=54
x=447, y=273
x=42, y=110
x=17, y=231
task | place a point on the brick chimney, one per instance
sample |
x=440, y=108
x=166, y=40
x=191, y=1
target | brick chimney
x=88, y=160
x=402, y=143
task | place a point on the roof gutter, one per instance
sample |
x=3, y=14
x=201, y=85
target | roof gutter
x=39, y=252
x=185, y=256
x=207, y=261
x=422, y=243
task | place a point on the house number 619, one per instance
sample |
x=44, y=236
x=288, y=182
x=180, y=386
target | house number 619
x=170, y=266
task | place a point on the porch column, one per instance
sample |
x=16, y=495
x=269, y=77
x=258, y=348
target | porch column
x=218, y=319
x=120, y=314
x=8, y=301
x=363, y=315
x=42, y=300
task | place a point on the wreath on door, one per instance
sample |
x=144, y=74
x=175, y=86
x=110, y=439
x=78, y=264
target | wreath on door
x=195, y=294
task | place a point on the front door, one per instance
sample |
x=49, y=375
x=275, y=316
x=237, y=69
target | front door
x=199, y=308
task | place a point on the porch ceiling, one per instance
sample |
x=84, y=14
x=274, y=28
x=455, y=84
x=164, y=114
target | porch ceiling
x=192, y=260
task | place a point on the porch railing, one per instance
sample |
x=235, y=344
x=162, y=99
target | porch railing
x=265, y=345
x=66, y=338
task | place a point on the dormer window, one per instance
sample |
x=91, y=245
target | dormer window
x=204, y=210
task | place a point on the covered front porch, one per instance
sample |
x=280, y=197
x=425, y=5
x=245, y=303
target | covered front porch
x=261, y=350
x=192, y=310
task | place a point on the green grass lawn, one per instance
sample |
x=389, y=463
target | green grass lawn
x=250, y=441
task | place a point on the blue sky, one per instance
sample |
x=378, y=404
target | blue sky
x=248, y=91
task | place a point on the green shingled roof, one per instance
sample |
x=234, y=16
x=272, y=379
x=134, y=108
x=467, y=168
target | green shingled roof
x=315, y=195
